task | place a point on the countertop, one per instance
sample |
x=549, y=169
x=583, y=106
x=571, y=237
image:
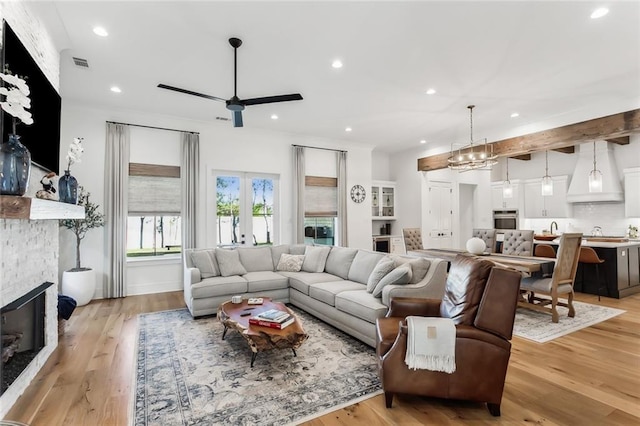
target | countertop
x=631, y=243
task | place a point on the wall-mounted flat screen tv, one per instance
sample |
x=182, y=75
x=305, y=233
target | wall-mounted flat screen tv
x=42, y=138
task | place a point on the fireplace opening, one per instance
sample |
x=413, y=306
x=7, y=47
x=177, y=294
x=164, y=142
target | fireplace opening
x=22, y=326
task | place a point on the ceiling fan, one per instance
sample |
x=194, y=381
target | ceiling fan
x=235, y=104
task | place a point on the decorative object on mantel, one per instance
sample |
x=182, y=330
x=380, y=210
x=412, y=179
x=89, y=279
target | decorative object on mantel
x=476, y=245
x=595, y=175
x=48, y=190
x=468, y=157
x=15, y=158
x=79, y=282
x=67, y=184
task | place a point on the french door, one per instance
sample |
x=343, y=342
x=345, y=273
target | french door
x=245, y=208
x=440, y=215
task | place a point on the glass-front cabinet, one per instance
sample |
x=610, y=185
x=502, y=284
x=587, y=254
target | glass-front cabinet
x=383, y=200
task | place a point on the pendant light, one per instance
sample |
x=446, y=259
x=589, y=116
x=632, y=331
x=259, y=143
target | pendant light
x=472, y=156
x=547, y=183
x=507, y=189
x=595, y=176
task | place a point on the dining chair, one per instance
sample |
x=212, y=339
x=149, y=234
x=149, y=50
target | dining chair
x=544, y=250
x=489, y=238
x=517, y=242
x=412, y=239
x=559, y=284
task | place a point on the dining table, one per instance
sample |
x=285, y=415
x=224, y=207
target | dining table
x=531, y=265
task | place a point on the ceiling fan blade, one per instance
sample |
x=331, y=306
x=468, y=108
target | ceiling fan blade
x=237, y=118
x=189, y=92
x=272, y=99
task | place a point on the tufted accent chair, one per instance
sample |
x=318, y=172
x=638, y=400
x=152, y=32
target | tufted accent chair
x=489, y=238
x=518, y=243
x=412, y=238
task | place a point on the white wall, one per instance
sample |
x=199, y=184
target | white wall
x=222, y=147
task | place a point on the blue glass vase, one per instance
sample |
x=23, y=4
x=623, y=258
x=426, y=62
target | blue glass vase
x=68, y=188
x=15, y=167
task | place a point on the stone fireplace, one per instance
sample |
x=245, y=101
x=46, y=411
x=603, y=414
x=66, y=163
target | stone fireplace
x=28, y=260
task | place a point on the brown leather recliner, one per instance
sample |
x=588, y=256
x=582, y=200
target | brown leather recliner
x=481, y=299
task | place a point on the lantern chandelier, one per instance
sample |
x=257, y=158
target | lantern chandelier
x=472, y=156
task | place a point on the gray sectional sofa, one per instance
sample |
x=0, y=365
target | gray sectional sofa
x=347, y=288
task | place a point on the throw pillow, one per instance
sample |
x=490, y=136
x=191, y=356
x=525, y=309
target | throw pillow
x=229, y=263
x=315, y=258
x=290, y=262
x=400, y=275
x=383, y=267
x=205, y=261
x=419, y=267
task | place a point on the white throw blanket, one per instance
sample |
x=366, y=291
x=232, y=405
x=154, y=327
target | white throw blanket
x=431, y=344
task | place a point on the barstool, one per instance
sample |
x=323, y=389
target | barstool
x=544, y=250
x=590, y=257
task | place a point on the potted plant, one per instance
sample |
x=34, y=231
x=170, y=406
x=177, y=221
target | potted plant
x=79, y=282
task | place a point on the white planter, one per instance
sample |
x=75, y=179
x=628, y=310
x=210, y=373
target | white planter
x=80, y=285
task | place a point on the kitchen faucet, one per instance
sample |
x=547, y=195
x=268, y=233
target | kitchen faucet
x=553, y=223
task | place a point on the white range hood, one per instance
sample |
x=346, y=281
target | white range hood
x=611, y=187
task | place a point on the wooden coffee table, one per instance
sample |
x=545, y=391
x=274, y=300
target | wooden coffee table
x=260, y=338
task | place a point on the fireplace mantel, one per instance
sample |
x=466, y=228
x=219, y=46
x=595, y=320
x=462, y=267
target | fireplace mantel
x=13, y=207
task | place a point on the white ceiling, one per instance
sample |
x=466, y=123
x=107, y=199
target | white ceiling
x=546, y=60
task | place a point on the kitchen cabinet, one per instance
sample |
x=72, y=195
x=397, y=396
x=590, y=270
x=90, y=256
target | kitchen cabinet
x=498, y=202
x=631, y=193
x=383, y=198
x=552, y=206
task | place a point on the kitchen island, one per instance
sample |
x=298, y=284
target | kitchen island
x=619, y=274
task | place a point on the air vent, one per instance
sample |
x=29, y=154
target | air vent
x=223, y=118
x=79, y=62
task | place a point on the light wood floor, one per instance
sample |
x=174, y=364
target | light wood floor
x=590, y=377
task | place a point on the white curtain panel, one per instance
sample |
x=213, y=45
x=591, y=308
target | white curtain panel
x=116, y=209
x=298, y=193
x=190, y=176
x=342, y=199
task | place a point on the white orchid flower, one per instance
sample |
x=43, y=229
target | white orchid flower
x=75, y=152
x=16, y=98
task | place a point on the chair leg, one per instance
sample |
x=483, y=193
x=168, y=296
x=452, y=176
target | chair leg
x=572, y=311
x=598, y=279
x=388, y=399
x=494, y=409
x=554, y=312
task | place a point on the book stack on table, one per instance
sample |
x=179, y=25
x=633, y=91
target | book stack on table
x=272, y=318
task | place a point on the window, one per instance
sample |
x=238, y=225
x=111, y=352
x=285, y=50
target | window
x=246, y=208
x=321, y=210
x=154, y=221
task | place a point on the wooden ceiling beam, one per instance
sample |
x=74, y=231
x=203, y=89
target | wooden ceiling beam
x=524, y=157
x=620, y=141
x=567, y=149
x=611, y=127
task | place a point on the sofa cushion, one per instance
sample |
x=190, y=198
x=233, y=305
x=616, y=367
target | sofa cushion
x=290, y=262
x=256, y=258
x=339, y=261
x=326, y=292
x=265, y=280
x=205, y=261
x=276, y=252
x=363, y=264
x=315, y=258
x=301, y=280
x=297, y=248
x=229, y=263
x=380, y=271
x=361, y=304
x=400, y=275
x=419, y=267
x=219, y=286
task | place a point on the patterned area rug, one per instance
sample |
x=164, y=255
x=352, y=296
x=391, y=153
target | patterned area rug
x=537, y=326
x=188, y=375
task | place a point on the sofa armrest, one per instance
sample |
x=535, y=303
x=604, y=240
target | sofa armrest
x=403, y=307
x=192, y=276
x=430, y=287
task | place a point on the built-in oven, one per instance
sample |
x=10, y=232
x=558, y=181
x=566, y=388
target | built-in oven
x=505, y=219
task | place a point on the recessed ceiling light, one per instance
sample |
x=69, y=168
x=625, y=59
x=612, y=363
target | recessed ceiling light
x=599, y=12
x=431, y=91
x=337, y=63
x=100, y=31
x=514, y=115
x=274, y=117
x=348, y=129
x=116, y=89
x=423, y=141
